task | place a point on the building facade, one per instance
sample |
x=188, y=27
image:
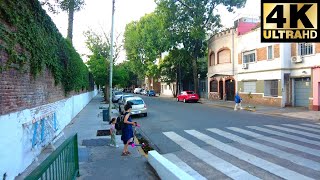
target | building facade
x=276, y=74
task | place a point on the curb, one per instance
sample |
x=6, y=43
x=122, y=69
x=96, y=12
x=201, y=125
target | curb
x=165, y=168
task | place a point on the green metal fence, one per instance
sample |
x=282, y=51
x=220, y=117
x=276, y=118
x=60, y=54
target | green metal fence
x=62, y=164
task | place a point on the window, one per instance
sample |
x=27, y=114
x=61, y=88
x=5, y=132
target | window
x=211, y=60
x=270, y=52
x=214, y=86
x=136, y=102
x=190, y=92
x=271, y=88
x=249, y=86
x=249, y=57
x=305, y=49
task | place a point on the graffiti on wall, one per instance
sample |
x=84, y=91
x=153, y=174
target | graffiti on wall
x=43, y=128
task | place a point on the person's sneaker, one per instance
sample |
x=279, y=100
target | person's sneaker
x=112, y=145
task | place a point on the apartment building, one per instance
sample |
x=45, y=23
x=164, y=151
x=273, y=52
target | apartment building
x=222, y=62
x=276, y=74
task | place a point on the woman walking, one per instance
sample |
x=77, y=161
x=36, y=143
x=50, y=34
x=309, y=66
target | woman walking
x=127, y=131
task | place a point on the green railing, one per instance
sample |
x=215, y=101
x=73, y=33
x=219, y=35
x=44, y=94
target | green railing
x=62, y=164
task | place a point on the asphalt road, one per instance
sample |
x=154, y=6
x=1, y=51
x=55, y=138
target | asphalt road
x=169, y=120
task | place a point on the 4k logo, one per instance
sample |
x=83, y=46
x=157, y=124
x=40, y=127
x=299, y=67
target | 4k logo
x=290, y=21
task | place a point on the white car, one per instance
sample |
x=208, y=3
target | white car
x=116, y=95
x=144, y=92
x=138, y=106
x=137, y=90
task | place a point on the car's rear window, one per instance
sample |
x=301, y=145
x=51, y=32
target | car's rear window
x=136, y=102
x=190, y=92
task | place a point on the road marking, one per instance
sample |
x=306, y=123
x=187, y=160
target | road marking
x=261, y=163
x=270, y=150
x=301, y=127
x=289, y=136
x=278, y=142
x=295, y=131
x=185, y=167
x=312, y=125
x=221, y=165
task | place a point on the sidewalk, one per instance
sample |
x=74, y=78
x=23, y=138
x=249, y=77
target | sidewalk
x=97, y=159
x=294, y=112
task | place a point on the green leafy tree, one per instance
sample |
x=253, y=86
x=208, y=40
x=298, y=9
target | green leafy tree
x=191, y=21
x=144, y=41
x=99, y=60
x=69, y=6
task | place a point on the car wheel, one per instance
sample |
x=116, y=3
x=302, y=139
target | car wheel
x=184, y=101
x=145, y=114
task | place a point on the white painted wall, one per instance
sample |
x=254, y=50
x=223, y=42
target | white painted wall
x=167, y=89
x=17, y=131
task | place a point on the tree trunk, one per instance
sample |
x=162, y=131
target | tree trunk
x=195, y=74
x=106, y=91
x=70, y=20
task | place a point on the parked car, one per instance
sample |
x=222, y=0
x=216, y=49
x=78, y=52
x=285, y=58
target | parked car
x=137, y=90
x=151, y=93
x=144, y=92
x=188, y=96
x=122, y=98
x=116, y=95
x=138, y=106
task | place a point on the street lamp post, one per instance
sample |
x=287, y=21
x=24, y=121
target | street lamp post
x=111, y=63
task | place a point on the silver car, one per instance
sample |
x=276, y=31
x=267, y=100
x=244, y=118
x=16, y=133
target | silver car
x=116, y=95
x=138, y=106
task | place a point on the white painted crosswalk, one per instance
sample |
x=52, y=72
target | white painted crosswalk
x=303, y=128
x=312, y=125
x=292, y=151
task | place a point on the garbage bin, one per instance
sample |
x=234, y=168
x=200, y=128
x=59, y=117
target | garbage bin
x=105, y=115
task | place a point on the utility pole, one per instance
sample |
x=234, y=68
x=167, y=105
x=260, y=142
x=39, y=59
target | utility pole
x=111, y=62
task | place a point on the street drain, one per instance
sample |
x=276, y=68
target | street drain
x=95, y=142
x=106, y=132
x=146, y=147
x=103, y=132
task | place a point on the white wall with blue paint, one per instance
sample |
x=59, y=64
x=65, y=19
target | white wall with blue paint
x=24, y=134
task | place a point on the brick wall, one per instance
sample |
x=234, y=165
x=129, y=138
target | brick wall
x=258, y=99
x=19, y=90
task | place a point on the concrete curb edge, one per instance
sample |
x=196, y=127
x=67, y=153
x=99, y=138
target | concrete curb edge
x=165, y=168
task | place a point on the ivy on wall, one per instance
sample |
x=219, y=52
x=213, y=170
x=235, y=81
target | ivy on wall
x=33, y=43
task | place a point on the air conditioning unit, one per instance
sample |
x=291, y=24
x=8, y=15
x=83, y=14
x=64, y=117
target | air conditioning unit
x=296, y=59
x=245, y=66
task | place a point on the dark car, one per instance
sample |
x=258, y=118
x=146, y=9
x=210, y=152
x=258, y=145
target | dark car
x=151, y=93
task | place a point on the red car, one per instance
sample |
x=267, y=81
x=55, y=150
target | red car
x=187, y=96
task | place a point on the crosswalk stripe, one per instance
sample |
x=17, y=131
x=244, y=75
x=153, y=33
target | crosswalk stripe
x=289, y=136
x=261, y=163
x=304, y=128
x=312, y=125
x=295, y=131
x=278, y=142
x=185, y=167
x=270, y=150
x=221, y=165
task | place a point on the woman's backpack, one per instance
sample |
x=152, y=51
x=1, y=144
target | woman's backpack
x=119, y=124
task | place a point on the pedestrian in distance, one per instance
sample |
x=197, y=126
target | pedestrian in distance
x=113, y=133
x=127, y=131
x=237, y=100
